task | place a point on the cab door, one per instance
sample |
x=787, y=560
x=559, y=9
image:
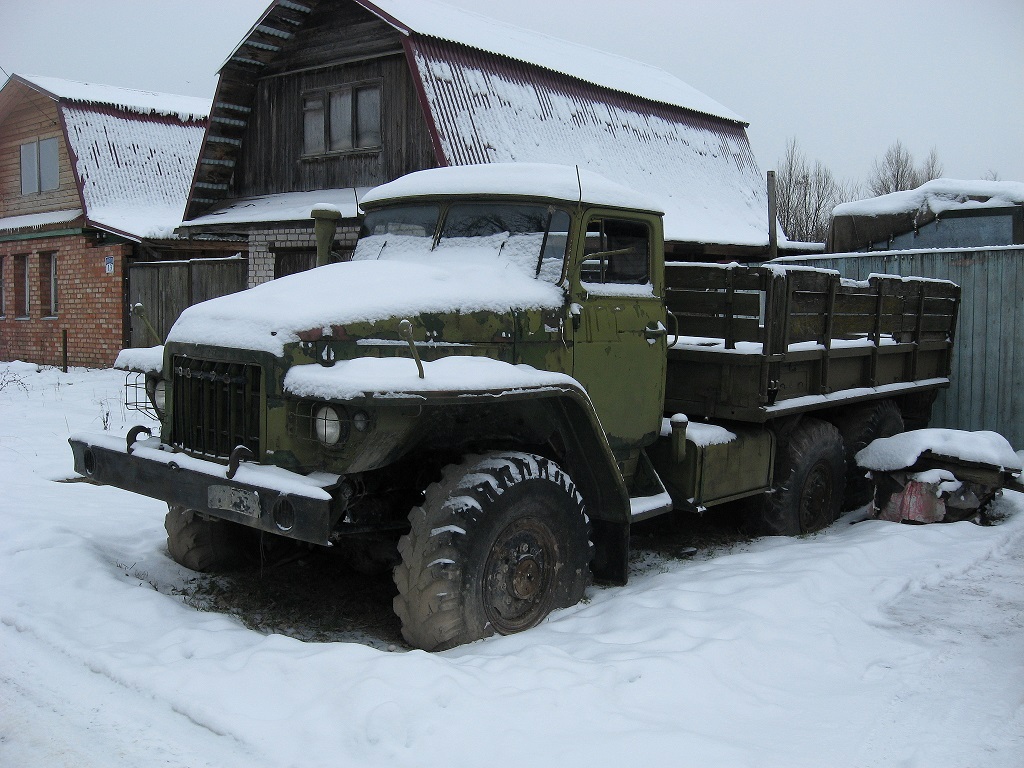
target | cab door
x=618, y=315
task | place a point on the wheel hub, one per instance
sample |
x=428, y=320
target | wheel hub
x=519, y=576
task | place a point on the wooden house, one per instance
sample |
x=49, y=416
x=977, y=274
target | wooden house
x=93, y=179
x=325, y=98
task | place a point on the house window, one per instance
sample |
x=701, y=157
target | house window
x=341, y=119
x=21, y=285
x=48, y=283
x=39, y=168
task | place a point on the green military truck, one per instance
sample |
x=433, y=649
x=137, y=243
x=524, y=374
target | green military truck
x=504, y=378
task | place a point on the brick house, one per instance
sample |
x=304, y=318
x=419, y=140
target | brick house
x=325, y=98
x=92, y=180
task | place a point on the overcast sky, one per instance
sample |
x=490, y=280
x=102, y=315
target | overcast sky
x=844, y=78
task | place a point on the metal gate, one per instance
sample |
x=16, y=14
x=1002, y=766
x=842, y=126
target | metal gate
x=166, y=288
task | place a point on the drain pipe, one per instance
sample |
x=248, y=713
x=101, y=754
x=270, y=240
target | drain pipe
x=773, y=217
x=325, y=225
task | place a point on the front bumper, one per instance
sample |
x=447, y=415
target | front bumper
x=260, y=496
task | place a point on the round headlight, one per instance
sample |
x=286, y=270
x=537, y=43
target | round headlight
x=328, y=425
x=160, y=395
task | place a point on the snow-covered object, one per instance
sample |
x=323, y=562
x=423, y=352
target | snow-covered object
x=938, y=196
x=700, y=172
x=140, y=359
x=150, y=103
x=135, y=171
x=39, y=220
x=863, y=645
x=900, y=451
x=286, y=206
x=560, y=182
x=267, y=317
x=134, y=153
x=445, y=22
x=396, y=375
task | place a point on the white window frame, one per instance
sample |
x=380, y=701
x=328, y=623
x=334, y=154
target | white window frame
x=40, y=166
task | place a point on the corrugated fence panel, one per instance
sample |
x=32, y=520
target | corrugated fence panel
x=988, y=364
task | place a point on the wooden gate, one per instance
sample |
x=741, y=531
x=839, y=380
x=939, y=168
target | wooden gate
x=166, y=288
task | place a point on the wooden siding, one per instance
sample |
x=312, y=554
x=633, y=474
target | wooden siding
x=33, y=117
x=988, y=355
x=271, y=159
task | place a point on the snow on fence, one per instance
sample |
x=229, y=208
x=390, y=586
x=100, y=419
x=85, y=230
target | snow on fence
x=988, y=356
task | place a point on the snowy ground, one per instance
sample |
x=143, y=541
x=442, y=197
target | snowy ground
x=872, y=644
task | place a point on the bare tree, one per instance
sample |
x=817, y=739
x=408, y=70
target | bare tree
x=931, y=168
x=896, y=171
x=991, y=175
x=806, y=195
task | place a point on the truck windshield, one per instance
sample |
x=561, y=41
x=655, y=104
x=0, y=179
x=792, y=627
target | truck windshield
x=529, y=238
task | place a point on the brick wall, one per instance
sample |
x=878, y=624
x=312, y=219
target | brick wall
x=263, y=243
x=90, y=302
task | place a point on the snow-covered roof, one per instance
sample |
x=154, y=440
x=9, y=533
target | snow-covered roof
x=864, y=223
x=133, y=154
x=184, y=108
x=32, y=221
x=456, y=25
x=938, y=196
x=700, y=171
x=558, y=182
x=135, y=171
x=286, y=206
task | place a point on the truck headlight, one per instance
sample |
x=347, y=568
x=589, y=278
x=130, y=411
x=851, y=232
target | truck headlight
x=328, y=425
x=157, y=391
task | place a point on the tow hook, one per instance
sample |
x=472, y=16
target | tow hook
x=133, y=435
x=238, y=455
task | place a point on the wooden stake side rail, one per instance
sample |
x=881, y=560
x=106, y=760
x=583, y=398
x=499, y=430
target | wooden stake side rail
x=754, y=337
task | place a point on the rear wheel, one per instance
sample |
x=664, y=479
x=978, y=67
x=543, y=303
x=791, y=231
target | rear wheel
x=810, y=474
x=204, y=544
x=500, y=542
x=858, y=427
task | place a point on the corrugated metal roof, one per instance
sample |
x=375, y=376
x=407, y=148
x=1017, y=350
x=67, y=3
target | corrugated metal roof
x=444, y=22
x=487, y=108
x=134, y=171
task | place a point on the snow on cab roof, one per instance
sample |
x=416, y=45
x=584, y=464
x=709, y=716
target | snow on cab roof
x=557, y=182
x=184, y=108
x=938, y=196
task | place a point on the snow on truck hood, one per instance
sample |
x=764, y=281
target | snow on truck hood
x=269, y=316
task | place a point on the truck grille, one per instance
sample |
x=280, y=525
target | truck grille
x=216, y=406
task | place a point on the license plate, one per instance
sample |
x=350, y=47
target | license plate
x=238, y=500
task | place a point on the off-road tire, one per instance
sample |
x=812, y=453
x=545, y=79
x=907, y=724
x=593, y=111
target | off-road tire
x=202, y=544
x=858, y=427
x=498, y=543
x=810, y=474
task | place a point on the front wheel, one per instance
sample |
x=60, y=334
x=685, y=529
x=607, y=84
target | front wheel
x=500, y=542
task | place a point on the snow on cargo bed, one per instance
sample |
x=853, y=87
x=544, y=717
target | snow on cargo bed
x=900, y=451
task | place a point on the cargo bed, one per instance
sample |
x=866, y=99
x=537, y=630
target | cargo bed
x=752, y=343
